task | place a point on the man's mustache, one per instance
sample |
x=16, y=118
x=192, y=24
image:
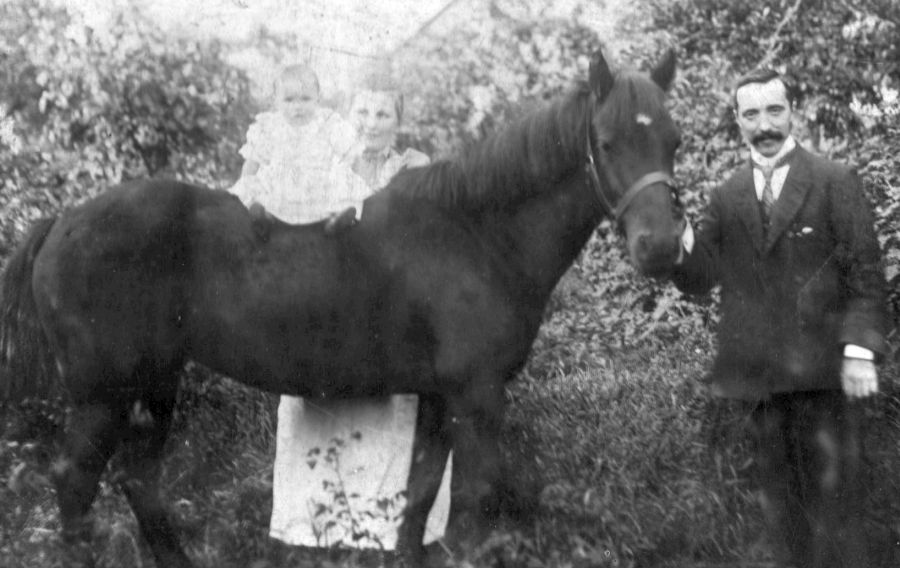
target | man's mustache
x=763, y=136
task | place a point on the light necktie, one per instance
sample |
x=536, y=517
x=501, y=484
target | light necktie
x=768, y=196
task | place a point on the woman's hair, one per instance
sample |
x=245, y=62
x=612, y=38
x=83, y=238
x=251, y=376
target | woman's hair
x=380, y=80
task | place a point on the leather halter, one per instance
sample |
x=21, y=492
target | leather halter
x=616, y=211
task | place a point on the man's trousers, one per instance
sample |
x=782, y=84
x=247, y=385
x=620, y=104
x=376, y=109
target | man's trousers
x=809, y=459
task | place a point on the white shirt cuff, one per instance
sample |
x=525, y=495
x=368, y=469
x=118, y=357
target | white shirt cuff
x=687, y=238
x=687, y=242
x=857, y=352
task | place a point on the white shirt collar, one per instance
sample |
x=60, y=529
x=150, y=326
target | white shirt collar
x=758, y=158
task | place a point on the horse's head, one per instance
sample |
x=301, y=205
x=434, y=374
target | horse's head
x=631, y=153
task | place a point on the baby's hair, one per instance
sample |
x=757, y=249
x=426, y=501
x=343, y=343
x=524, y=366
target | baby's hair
x=380, y=80
x=297, y=72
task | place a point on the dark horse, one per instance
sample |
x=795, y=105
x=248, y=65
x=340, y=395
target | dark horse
x=439, y=290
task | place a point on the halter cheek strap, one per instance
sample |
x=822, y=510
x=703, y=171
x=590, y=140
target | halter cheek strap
x=591, y=169
x=616, y=211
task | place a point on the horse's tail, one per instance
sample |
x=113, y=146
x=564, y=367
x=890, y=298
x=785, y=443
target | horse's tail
x=27, y=369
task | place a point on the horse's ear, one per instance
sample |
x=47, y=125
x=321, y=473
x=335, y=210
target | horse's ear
x=600, y=77
x=664, y=71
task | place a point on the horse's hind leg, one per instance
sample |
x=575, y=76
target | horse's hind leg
x=91, y=436
x=430, y=450
x=148, y=426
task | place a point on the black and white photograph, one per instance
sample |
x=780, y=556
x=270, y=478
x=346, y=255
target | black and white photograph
x=449, y=284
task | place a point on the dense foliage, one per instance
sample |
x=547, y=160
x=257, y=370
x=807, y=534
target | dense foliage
x=83, y=108
x=609, y=425
x=476, y=77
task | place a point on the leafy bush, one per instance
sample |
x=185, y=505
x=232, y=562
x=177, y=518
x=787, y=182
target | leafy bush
x=82, y=109
x=465, y=83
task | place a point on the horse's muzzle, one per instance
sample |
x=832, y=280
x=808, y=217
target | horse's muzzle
x=655, y=255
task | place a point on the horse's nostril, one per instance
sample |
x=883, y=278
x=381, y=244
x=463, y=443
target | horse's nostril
x=654, y=253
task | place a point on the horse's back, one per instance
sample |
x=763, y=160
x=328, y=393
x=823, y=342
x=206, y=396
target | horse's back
x=131, y=230
x=285, y=307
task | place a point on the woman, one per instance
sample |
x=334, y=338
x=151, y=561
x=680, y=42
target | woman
x=376, y=115
x=341, y=466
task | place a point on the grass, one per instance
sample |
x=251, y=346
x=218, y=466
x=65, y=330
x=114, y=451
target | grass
x=632, y=465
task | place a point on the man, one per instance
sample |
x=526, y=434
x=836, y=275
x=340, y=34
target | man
x=791, y=240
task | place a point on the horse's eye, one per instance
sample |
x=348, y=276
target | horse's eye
x=606, y=146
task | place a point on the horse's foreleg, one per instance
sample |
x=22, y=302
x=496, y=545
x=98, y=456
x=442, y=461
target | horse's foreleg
x=430, y=450
x=92, y=433
x=149, y=421
x=476, y=417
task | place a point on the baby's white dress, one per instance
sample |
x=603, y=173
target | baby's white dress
x=304, y=171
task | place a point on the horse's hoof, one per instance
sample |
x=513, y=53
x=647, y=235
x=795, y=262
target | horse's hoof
x=519, y=500
x=80, y=555
x=409, y=561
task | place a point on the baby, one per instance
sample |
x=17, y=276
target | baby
x=298, y=155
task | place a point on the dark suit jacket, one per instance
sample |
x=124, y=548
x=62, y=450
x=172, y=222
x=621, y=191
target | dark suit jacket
x=791, y=300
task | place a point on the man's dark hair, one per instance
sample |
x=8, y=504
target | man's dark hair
x=764, y=75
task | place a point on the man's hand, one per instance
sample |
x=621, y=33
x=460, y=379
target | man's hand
x=859, y=377
x=687, y=241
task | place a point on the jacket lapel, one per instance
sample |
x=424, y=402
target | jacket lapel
x=792, y=196
x=748, y=207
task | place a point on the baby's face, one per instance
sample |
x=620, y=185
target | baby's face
x=374, y=113
x=297, y=100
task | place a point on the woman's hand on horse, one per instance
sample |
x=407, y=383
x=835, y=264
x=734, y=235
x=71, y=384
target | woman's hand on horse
x=257, y=211
x=337, y=222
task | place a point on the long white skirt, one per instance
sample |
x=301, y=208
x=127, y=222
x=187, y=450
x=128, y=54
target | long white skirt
x=340, y=468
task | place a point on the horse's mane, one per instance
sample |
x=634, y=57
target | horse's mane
x=531, y=154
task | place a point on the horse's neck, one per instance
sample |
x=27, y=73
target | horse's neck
x=549, y=231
